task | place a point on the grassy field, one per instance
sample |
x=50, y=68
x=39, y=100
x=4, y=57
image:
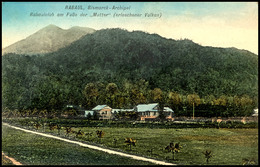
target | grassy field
x=228, y=146
x=30, y=149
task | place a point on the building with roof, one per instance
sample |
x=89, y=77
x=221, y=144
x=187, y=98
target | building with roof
x=151, y=111
x=103, y=111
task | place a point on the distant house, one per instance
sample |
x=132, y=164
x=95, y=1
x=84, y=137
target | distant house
x=151, y=111
x=103, y=111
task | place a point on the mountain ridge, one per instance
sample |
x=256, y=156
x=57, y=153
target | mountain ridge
x=138, y=55
x=123, y=58
x=46, y=40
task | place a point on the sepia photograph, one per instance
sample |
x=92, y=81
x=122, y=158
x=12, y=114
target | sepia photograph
x=129, y=83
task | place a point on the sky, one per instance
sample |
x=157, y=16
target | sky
x=217, y=24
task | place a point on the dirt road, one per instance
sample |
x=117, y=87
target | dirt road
x=93, y=147
x=11, y=159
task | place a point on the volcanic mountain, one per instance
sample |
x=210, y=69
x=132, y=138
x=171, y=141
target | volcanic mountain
x=47, y=39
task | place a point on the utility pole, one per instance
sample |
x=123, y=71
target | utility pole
x=193, y=110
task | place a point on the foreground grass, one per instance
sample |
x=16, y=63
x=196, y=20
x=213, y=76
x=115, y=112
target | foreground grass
x=229, y=146
x=30, y=149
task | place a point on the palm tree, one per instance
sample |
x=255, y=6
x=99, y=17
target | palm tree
x=37, y=125
x=68, y=130
x=208, y=155
x=100, y=134
x=169, y=147
x=79, y=133
x=173, y=148
x=130, y=142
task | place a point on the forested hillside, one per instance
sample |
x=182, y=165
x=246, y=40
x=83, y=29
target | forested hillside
x=122, y=69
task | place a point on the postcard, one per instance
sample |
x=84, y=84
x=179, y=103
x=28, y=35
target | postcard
x=130, y=83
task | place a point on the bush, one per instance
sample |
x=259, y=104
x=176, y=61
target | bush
x=131, y=124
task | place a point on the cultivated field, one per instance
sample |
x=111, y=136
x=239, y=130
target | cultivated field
x=228, y=146
x=30, y=149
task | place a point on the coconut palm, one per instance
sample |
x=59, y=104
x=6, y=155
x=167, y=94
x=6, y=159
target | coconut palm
x=79, y=133
x=173, y=148
x=208, y=155
x=37, y=125
x=130, y=142
x=100, y=134
x=68, y=130
x=169, y=147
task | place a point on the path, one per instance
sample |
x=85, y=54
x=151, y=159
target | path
x=11, y=159
x=94, y=147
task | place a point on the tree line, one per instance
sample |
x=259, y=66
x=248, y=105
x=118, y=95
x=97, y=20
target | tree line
x=52, y=98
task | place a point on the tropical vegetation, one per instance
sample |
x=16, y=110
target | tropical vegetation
x=123, y=69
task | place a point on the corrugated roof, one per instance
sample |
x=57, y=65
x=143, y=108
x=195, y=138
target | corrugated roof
x=151, y=107
x=167, y=109
x=146, y=107
x=99, y=107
